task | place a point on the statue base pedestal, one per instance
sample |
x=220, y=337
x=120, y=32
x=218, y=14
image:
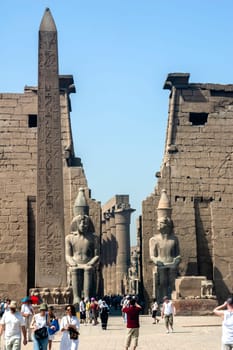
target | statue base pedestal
x=53, y=296
x=195, y=307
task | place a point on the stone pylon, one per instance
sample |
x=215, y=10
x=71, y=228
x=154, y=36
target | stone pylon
x=50, y=238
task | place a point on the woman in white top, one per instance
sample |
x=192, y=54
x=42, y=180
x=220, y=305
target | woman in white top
x=40, y=320
x=67, y=322
x=227, y=323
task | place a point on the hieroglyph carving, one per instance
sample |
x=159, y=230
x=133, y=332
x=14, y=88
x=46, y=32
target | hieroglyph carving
x=50, y=211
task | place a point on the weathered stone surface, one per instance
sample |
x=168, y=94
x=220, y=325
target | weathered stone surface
x=50, y=238
x=195, y=307
x=198, y=178
x=189, y=286
x=18, y=174
x=82, y=251
x=164, y=252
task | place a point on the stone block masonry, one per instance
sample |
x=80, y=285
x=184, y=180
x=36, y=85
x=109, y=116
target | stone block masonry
x=197, y=173
x=18, y=173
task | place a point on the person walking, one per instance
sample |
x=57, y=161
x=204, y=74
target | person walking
x=82, y=310
x=225, y=311
x=27, y=313
x=13, y=324
x=125, y=303
x=154, y=309
x=88, y=311
x=39, y=326
x=168, y=310
x=53, y=325
x=69, y=327
x=94, y=311
x=132, y=311
x=104, y=312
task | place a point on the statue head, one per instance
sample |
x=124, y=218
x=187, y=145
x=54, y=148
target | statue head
x=80, y=224
x=164, y=225
x=46, y=290
x=134, y=258
x=83, y=223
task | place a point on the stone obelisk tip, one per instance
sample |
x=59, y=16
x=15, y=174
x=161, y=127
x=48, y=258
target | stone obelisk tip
x=47, y=23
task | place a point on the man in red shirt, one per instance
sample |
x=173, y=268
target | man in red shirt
x=132, y=311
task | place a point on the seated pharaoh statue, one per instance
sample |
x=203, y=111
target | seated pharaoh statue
x=82, y=251
x=165, y=254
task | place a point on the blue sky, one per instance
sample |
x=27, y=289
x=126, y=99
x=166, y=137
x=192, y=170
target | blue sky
x=120, y=52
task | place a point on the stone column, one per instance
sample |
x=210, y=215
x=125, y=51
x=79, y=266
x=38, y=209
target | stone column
x=113, y=248
x=108, y=253
x=122, y=221
x=103, y=255
x=50, y=238
x=110, y=262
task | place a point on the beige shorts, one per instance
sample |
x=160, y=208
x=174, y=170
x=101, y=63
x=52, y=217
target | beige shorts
x=132, y=337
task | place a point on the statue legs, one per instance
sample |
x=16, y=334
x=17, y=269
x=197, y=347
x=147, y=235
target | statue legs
x=82, y=283
x=172, y=278
x=155, y=284
x=77, y=278
x=162, y=283
x=166, y=282
x=88, y=283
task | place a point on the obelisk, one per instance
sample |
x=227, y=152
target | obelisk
x=50, y=237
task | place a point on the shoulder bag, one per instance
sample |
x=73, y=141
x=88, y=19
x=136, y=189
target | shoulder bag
x=74, y=334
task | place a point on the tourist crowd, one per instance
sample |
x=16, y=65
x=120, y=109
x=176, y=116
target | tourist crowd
x=38, y=323
x=35, y=321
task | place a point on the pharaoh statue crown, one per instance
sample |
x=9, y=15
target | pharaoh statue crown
x=80, y=205
x=164, y=207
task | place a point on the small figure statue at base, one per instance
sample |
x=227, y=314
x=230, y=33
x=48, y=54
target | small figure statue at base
x=45, y=295
x=56, y=293
x=67, y=295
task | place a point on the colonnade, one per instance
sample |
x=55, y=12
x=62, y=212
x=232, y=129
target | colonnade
x=116, y=244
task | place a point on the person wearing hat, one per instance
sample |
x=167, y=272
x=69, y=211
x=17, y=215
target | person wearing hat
x=225, y=311
x=39, y=322
x=13, y=324
x=27, y=313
